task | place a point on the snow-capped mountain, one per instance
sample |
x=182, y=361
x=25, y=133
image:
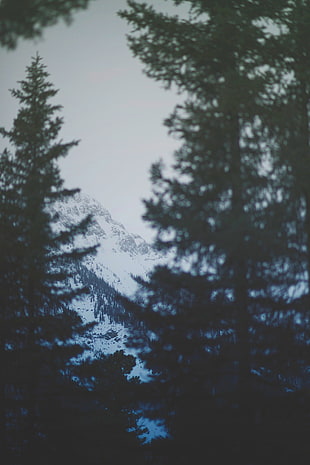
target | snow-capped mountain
x=121, y=254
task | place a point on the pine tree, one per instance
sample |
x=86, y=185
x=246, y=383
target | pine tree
x=287, y=128
x=36, y=262
x=26, y=19
x=290, y=127
x=218, y=327
x=50, y=396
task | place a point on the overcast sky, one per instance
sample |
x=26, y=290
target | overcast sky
x=109, y=104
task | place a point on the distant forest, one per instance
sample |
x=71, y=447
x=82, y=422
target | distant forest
x=224, y=329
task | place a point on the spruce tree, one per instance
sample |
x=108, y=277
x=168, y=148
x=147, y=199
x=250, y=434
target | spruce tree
x=217, y=331
x=27, y=19
x=43, y=403
x=51, y=397
x=290, y=128
x=36, y=261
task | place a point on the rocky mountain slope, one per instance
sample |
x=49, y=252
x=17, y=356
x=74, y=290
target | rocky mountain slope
x=121, y=254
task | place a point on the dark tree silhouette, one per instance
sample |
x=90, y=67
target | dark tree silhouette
x=47, y=394
x=220, y=327
x=26, y=19
x=35, y=259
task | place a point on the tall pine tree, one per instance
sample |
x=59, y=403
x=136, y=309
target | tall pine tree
x=214, y=327
x=36, y=258
x=27, y=19
x=49, y=398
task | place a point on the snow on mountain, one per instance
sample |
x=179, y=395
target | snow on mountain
x=121, y=255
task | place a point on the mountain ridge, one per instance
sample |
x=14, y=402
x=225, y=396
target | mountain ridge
x=121, y=255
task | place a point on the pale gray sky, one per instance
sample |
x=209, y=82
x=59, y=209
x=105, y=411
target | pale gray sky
x=109, y=104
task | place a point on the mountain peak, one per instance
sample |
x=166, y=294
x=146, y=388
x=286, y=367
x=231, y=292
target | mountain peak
x=121, y=254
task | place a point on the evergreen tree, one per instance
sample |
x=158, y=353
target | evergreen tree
x=219, y=327
x=26, y=19
x=290, y=124
x=49, y=399
x=287, y=128
x=36, y=265
x=91, y=420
